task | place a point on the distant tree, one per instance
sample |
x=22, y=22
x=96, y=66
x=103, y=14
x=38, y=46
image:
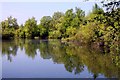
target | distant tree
x=44, y=26
x=30, y=28
x=56, y=28
x=8, y=27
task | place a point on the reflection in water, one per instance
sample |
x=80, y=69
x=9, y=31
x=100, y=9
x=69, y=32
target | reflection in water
x=74, y=57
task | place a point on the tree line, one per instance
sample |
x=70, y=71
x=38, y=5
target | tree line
x=97, y=26
x=60, y=25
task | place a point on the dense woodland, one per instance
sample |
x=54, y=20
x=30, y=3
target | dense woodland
x=101, y=27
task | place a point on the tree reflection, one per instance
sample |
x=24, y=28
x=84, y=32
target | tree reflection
x=9, y=49
x=44, y=50
x=74, y=57
x=30, y=47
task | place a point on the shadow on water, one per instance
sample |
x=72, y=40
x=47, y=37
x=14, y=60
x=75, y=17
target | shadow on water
x=74, y=57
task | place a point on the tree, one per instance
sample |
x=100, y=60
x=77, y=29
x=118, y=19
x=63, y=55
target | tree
x=72, y=21
x=8, y=27
x=79, y=18
x=44, y=26
x=56, y=28
x=30, y=28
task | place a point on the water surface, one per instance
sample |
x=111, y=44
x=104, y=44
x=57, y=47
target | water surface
x=53, y=59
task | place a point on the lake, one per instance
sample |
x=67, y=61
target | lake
x=54, y=59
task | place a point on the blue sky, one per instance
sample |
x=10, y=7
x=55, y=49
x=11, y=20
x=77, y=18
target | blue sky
x=24, y=10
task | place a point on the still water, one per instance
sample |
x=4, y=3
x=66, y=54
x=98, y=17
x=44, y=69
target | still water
x=54, y=59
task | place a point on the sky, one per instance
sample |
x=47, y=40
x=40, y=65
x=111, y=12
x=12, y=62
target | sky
x=24, y=10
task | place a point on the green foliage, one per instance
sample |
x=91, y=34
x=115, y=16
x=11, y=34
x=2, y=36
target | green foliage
x=20, y=32
x=56, y=29
x=30, y=28
x=87, y=33
x=45, y=25
x=72, y=21
x=8, y=27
